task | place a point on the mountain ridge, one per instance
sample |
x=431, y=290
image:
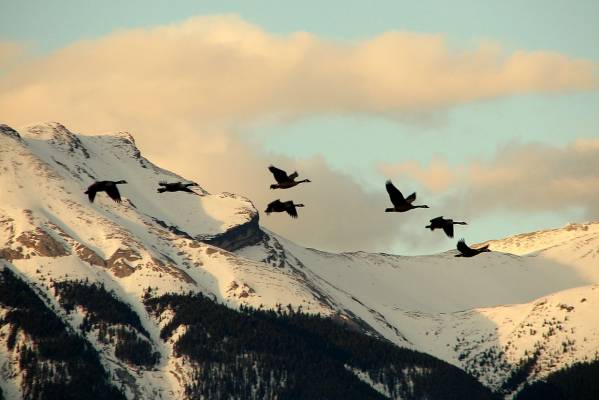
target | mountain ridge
x=213, y=244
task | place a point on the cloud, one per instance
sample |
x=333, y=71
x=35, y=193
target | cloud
x=520, y=177
x=189, y=91
x=223, y=70
x=437, y=177
x=11, y=54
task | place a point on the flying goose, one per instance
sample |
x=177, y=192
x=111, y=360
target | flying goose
x=176, y=187
x=445, y=224
x=286, y=206
x=400, y=204
x=284, y=181
x=466, y=251
x=105, y=186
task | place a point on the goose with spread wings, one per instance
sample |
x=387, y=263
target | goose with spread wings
x=283, y=206
x=445, y=224
x=176, y=187
x=400, y=203
x=284, y=181
x=109, y=187
x=466, y=251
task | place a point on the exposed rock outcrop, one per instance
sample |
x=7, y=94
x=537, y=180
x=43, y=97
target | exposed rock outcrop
x=238, y=236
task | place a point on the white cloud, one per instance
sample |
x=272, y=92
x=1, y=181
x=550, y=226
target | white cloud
x=521, y=177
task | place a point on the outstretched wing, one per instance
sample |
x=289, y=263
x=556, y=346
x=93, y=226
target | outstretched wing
x=410, y=199
x=91, y=194
x=293, y=176
x=463, y=247
x=191, y=184
x=91, y=191
x=291, y=211
x=438, y=219
x=279, y=174
x=272, y=206
x=163, y=183
x=113, y=193
x=448, y=229
x=394, y=194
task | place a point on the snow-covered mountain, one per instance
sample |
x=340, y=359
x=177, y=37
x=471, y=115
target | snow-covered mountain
x=507, y=317
x=487, y=315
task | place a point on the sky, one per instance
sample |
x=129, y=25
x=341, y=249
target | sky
x=488, y=110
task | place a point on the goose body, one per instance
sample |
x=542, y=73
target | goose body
x=466, y=251
x=109, y=187
x=445, y=224
x=283, y=206
x=176, y=187
x=400, y=203
x=284, y=181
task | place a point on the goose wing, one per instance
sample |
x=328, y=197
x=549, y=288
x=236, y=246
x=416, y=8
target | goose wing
x=291, y=210
x=293, y=176
x=275, y=203
x=163, y=183
x=394, y=194
x=463, y=247
x=113, y=192
x=410, y=199
x=437, y=219
x=91, y=191
x=273, y=206
x=279, y=174
x=448, y=229
x=91, y=194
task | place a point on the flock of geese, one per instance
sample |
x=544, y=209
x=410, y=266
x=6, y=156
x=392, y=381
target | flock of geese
x=285, y=181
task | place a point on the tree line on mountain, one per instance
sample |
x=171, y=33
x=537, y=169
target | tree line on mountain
x=56, y=362
x=521, y=373
x=244, y=354
x=284, y=353
x=113, y=319
x=577, y=382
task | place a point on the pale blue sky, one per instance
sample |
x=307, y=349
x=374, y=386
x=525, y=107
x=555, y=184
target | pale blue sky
x=569, y=27
x=352, y=143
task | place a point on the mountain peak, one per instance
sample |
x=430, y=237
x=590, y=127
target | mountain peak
x=527, y=243
x=57, y=135
x=49, y=129
x=125, y=135
x=10, y=132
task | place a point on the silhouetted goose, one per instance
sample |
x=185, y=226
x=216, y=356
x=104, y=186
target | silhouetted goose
x=283, y=206
x=466, y=251
x=105, y=186
x=400, y=204
x=176, y=187
x=445, y=224
x=283, y=180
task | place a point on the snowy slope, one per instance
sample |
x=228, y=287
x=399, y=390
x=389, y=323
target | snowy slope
x=473, y=313
x=49, y=231
x=556, y=330
x=44, y=210
x=460, y=310
x=575, y=245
